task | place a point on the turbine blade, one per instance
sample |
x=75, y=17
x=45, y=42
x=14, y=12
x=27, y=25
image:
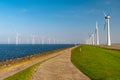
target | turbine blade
x=104, y=14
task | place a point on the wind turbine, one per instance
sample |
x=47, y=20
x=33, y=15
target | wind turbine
x=92, y=36
x=33, y=39
x=97, y=34
x=42, y=40
x=107, y=18
x=89, y=40
x=8, y=40
x=54, y=41
x=27, y=41
x=17, y=38
x=86, y=41
x=49, y=41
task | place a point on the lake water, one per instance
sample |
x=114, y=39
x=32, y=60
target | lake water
x=12, y=51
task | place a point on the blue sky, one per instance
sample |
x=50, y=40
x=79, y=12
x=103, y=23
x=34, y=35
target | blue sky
x=70, y=20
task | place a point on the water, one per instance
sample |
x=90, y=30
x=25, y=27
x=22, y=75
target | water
x=12, y=51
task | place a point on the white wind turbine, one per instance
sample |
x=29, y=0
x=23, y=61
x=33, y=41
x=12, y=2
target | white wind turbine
x=54, y=41
x=49, y=40
x=17, y=38
x=86, y=41
x=27, y=41
x=89, y=40
x=97, y=34
x=92, y=36
x=8, y=40
x=42, y=40
x=33, y=39
x=107, y=18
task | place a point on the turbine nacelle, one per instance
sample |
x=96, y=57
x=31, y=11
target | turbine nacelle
x=107, y=17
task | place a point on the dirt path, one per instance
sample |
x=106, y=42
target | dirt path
x=8, y=71
x=59, y=68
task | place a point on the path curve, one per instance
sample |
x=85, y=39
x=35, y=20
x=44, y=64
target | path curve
x=59, y=68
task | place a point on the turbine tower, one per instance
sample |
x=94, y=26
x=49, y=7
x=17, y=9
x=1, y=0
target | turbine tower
x=27, y=41
x=54, y=41
x=90, y=40
x=92, y=35
x=17, y=38
x=42, y=40
x=8, y=40
x=49, y=41
x=97, y=34
x=107, y=18
x=33, y=39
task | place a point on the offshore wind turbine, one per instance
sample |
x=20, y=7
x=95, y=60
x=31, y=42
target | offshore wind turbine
x=33, y=39
x=28, y=41
x=54, y=41
x=97, y=34
x=107, y=18
x=8, y=40
x=42, y=40
x=17, y=38
x=49, y=40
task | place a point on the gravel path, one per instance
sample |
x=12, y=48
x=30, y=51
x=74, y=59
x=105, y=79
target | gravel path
x=59, y=68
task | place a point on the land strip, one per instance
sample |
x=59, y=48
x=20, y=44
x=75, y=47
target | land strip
x=14, y=68
x=59, y=68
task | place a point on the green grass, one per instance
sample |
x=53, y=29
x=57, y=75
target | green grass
x=26, y=74
x=23, y=75
x=97, y=63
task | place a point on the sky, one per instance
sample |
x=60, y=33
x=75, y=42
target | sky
x=65, y=20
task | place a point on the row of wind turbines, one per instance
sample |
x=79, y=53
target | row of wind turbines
x=35, y=39
x=95, y=35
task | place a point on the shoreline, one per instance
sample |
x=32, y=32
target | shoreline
x=10, y=70
x=11, y=62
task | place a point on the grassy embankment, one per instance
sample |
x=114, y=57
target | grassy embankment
x=97, y=63
x=27, y=73
x=23, y=75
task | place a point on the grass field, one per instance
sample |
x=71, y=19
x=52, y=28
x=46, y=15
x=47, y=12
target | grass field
x=97, y=63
